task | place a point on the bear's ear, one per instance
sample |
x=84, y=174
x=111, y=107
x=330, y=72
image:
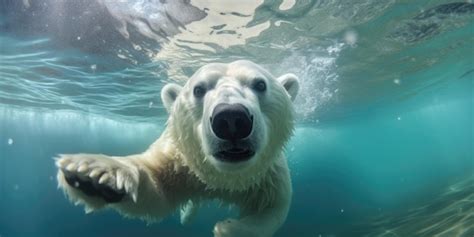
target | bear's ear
x=291, y=84
x=169, y=93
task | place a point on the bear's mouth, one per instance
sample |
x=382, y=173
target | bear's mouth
x=234, y=154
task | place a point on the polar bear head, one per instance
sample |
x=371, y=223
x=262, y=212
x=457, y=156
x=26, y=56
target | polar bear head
x=231, y=121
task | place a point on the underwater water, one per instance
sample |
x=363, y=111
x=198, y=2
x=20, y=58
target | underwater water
x=383, y=144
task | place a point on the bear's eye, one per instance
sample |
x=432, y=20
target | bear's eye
x=260, y=85
x=199, y=91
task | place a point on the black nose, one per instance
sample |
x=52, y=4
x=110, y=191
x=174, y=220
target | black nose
x=231, y=121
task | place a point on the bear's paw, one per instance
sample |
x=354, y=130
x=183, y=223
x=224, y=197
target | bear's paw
x=98, y=176
x=236, y=228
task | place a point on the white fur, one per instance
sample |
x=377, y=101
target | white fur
x=178, y=170
x=188, y=212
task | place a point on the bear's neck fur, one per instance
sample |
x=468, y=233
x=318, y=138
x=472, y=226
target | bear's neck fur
x=181, y=184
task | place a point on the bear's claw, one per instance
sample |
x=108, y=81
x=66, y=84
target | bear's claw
x=95, y=189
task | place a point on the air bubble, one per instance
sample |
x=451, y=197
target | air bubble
x=27, y=4
x=137, y=47
x=397, y=81
x=350, y=37
x=10, y=141
x=150, y=104
x=399, y=118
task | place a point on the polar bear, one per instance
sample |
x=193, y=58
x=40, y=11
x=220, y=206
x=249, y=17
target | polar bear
x=224, y=140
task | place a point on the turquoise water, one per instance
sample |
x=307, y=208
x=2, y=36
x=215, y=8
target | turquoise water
x=384, y=138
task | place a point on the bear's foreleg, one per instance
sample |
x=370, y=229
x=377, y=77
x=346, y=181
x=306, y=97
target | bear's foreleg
x=118, y=182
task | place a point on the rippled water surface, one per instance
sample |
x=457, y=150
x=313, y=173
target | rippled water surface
x=384, y=137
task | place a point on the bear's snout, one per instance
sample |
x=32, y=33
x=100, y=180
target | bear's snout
x=231, y=121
